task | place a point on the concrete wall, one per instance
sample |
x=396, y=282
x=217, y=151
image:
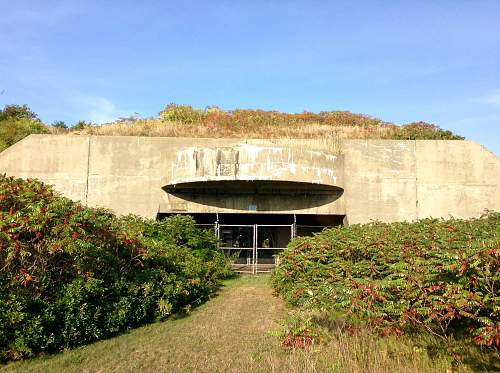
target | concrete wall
x=58, y=160
x=380, y=181
x=386, y=180
x=458, y=179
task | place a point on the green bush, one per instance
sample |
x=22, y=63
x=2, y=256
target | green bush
x=424, y=131
x=59, y=124
x=70, y=275
x=17, y=122
x=14, y=130
x=81, y=125
x=18, y=112
x=434, y=276
x=183, y=114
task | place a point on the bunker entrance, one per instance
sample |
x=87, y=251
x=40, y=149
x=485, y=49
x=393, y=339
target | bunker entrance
x=252, y=241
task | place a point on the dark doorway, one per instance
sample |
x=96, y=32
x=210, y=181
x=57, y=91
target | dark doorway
x=252, y=241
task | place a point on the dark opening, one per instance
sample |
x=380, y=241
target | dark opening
x=236, y=236
x=306, y=222
x=261, y=187
x=256, y=195
x=253, y=240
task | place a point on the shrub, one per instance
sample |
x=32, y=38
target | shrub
x=70, y=275
x=81, y=125
x=59, y=124
x=433, y=276
x=18, y=112
x=17, y=122
x=422, y=130
x=185, y=114
x=14, y=130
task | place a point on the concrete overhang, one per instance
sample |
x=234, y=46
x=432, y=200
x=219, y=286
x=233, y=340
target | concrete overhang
x=292, y=167
x=248, y=177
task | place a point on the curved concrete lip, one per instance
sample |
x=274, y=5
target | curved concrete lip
x=245, y=187
x=252, y=163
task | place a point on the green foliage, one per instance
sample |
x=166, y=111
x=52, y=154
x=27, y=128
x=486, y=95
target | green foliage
x=70, y=275
x=182, y=113
x=422, y=130
x=249, y=118
x=186, y=114
x=433, y=276
x=59, y=124
x=17, y=122
x=298, y=330
x=81, y=125
x=18, y=112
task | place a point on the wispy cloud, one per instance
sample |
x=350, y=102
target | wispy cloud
x=97, y=109
x=493, y=98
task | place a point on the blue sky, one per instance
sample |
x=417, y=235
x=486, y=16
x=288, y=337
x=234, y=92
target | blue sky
x=402, y=61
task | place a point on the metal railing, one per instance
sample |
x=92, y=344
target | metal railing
x=253, y=262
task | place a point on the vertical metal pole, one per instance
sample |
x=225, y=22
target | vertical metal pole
x=255, y=249
x=216, y=225
x=294, y=226
x=250, y=259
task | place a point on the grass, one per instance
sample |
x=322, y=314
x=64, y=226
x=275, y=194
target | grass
x=158, y=128
x=230, y=333
x=186, y=121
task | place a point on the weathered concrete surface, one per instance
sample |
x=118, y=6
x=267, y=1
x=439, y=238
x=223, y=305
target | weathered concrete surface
x=58, y=160
x=251, y=162
x=380, y=182
x=124, y=174
x=386, y=180
x=456, y=178
x=229, y=166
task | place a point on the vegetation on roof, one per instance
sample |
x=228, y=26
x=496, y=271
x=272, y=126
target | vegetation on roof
x=17, y=122
x=185, y=121
x=174, y=120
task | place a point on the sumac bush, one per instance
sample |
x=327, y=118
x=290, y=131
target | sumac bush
x=434, y=276
x=70, y=275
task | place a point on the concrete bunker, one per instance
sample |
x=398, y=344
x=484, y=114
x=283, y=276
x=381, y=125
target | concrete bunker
x=295, y=186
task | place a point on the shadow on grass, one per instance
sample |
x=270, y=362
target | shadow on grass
x=227, y=282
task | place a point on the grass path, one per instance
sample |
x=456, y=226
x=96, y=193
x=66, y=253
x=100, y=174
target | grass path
x=230, y=334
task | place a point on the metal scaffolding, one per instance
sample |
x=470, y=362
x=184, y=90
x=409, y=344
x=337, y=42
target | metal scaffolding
x=253, y=248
